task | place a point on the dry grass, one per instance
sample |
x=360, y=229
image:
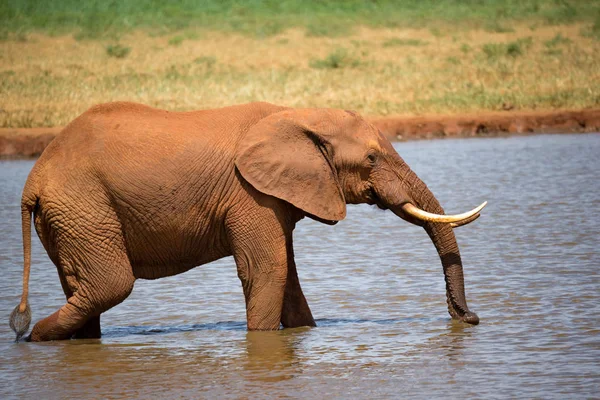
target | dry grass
x=47, y=81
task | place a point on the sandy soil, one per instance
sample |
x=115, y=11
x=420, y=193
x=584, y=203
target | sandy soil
x=30, y=142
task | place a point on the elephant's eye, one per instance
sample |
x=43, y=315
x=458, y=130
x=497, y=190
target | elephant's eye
x=371, y=158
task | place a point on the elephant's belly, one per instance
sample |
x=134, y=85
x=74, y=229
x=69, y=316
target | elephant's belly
x=144, y=270
x=158, y=254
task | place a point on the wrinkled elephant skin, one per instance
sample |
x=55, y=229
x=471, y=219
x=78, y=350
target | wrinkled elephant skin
x=127, y=191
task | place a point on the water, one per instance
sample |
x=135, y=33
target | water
x=375, y=285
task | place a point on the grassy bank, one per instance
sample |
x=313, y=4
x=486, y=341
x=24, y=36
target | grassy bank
x=99, y=18
x=57, y=59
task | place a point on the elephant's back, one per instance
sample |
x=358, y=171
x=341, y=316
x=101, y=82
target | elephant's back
x=119, y=137
x=126, y=130
x=125, y=149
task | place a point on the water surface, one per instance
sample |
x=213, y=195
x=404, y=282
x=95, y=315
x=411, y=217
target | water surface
x=376, y=288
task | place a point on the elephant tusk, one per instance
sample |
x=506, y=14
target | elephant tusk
x=465, y=221
x=427, y=216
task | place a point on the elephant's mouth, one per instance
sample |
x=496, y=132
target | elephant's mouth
x=373, y=199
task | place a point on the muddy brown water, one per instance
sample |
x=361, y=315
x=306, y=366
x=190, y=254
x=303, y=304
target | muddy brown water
x=375, y=285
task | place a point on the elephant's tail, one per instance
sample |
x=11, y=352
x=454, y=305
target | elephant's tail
x=20, y=318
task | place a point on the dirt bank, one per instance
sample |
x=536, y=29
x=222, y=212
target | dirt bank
x=25, y=142
x=30, y=142
x=489, y=124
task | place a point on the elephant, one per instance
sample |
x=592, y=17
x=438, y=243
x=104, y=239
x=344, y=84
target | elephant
x=127, y=192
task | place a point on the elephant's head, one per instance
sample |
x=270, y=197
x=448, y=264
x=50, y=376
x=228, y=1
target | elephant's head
x=319, y=160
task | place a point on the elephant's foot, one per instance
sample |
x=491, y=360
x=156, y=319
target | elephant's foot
x=296, y=312
x=59, y=326
x=91, y=329
x=296, y=319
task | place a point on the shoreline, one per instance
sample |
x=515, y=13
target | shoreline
x=23, y=143
x=489, y=124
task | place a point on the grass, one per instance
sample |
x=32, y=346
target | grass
x=592, y=31
x=557, y=40
x=117, y=50
x=176, y=40
x=323, y=28
x=338, y=58
x=403, y=42
x=403, y=58
x=265, y=18
x=497, y=27
x=516, y=48
x=208, y=61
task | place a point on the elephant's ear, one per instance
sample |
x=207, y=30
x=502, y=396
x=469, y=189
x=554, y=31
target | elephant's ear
x=284, y=157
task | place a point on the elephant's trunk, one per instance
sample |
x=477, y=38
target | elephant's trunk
x=443, y=238
x=413, y=190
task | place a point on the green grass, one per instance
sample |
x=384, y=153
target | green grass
x=208, y=61
x=339, y=58
x=495, y=51
x=324, y=28
x=453, y=60
x=176, y=40
x=557, y=40
x=403, y=42
x=554, y=45
x=58, y=58
x=117, y=50
x=594, y=30
x=264, y=18
x=497, y=27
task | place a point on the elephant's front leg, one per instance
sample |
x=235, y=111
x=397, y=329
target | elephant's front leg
x=264, y=299
x=260, y=235
x=263, y=278
x=295, y=311
x=259, y=246
x=271, y=287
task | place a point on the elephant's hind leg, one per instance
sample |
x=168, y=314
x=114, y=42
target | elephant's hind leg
x=95, y=275
x=80, y=316
x=89, y=330
x=64, y=322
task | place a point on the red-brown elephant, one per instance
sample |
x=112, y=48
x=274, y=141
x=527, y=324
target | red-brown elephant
x=128, y=191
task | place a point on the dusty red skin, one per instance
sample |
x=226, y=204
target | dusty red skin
x=130, y=192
